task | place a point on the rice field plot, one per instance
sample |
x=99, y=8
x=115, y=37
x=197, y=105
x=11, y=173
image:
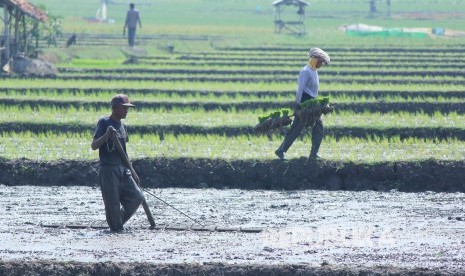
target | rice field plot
x=99, y=39
x=259, y=90
x=340, y=94
x=233, y=71
x=200, y=90
x=161, y=121
x=248, y=64
x=364, y=94
x=246, y=101
x=416, y=69
x=70, y=146
x=371, y=79
x=398, y=126
x=289, y=59
x=198, y=105
x=365, y=77
x=287, y=55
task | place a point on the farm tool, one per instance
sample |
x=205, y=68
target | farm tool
x=161, y=227
x=202, y=227
x=133, y=172
x=144, y=202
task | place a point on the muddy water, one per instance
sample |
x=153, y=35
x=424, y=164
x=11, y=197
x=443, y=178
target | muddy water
x=405, y=230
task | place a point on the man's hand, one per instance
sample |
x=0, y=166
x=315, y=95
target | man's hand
x=124, y=32
x=111, y=133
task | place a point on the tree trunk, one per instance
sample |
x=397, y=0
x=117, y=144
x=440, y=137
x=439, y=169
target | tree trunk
x=6, y=33
x=16, y=40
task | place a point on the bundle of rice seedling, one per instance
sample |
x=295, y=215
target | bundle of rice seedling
x=310, y=111
x=273, y=121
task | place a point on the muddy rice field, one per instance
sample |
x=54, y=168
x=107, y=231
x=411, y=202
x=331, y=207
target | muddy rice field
x=304, y=232
x=356, y=212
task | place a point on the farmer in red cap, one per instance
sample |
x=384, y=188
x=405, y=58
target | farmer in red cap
x=121, y=195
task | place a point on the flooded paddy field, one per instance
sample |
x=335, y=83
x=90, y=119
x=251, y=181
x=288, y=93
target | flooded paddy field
x=308, y=231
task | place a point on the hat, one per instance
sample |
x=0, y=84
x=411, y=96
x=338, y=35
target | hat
x=121, y=99
x=320, y=54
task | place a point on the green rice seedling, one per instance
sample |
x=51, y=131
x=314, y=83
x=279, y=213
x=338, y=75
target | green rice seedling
x=321, y=100
x=50, y=146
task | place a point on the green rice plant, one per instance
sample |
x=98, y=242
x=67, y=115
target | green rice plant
x=88, y=116
x=320, y=100
x=51, y=146
x=272, y=115
x=51, y=84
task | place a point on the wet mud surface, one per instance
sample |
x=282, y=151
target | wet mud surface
x=324, y=232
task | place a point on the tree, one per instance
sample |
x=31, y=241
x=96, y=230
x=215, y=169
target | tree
x=48, y=31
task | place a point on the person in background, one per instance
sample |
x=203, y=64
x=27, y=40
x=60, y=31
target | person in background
x=132, y=19
x=118, y=185
x=307, y=88
x=388, y=8
x=372, y=7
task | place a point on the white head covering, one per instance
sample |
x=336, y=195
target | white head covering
x=318, y=53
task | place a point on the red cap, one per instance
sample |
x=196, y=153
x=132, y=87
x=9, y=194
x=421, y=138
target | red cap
x=121, y=99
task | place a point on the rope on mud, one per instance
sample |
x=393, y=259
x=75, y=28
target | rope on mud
x=194, y=220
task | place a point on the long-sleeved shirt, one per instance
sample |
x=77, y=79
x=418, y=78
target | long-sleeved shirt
x=307, y=83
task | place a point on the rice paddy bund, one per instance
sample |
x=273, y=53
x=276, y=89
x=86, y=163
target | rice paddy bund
x=205, y=104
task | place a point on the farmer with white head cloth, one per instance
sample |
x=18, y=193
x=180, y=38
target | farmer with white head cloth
x=307, y=88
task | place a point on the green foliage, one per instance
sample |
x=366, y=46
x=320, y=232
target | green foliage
x=76, y=146
x=284, y=112
x=320, y=100
x=52, y=30
x=48, y=31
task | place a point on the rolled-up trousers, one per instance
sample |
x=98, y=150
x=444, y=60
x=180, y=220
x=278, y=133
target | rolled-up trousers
x=296, y=129
x=120, y=193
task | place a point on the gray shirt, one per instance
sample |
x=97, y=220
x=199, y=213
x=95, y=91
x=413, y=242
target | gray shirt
x=108, y=152
x=307, y=83
x=132, y=18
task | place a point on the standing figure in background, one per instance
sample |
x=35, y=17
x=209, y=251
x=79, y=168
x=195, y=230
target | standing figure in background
x=388, y=10
x=307, y=88
x=132, y=19
x=372, y=7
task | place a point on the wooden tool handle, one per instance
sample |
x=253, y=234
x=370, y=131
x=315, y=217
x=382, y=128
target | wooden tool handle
x=133, y=172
